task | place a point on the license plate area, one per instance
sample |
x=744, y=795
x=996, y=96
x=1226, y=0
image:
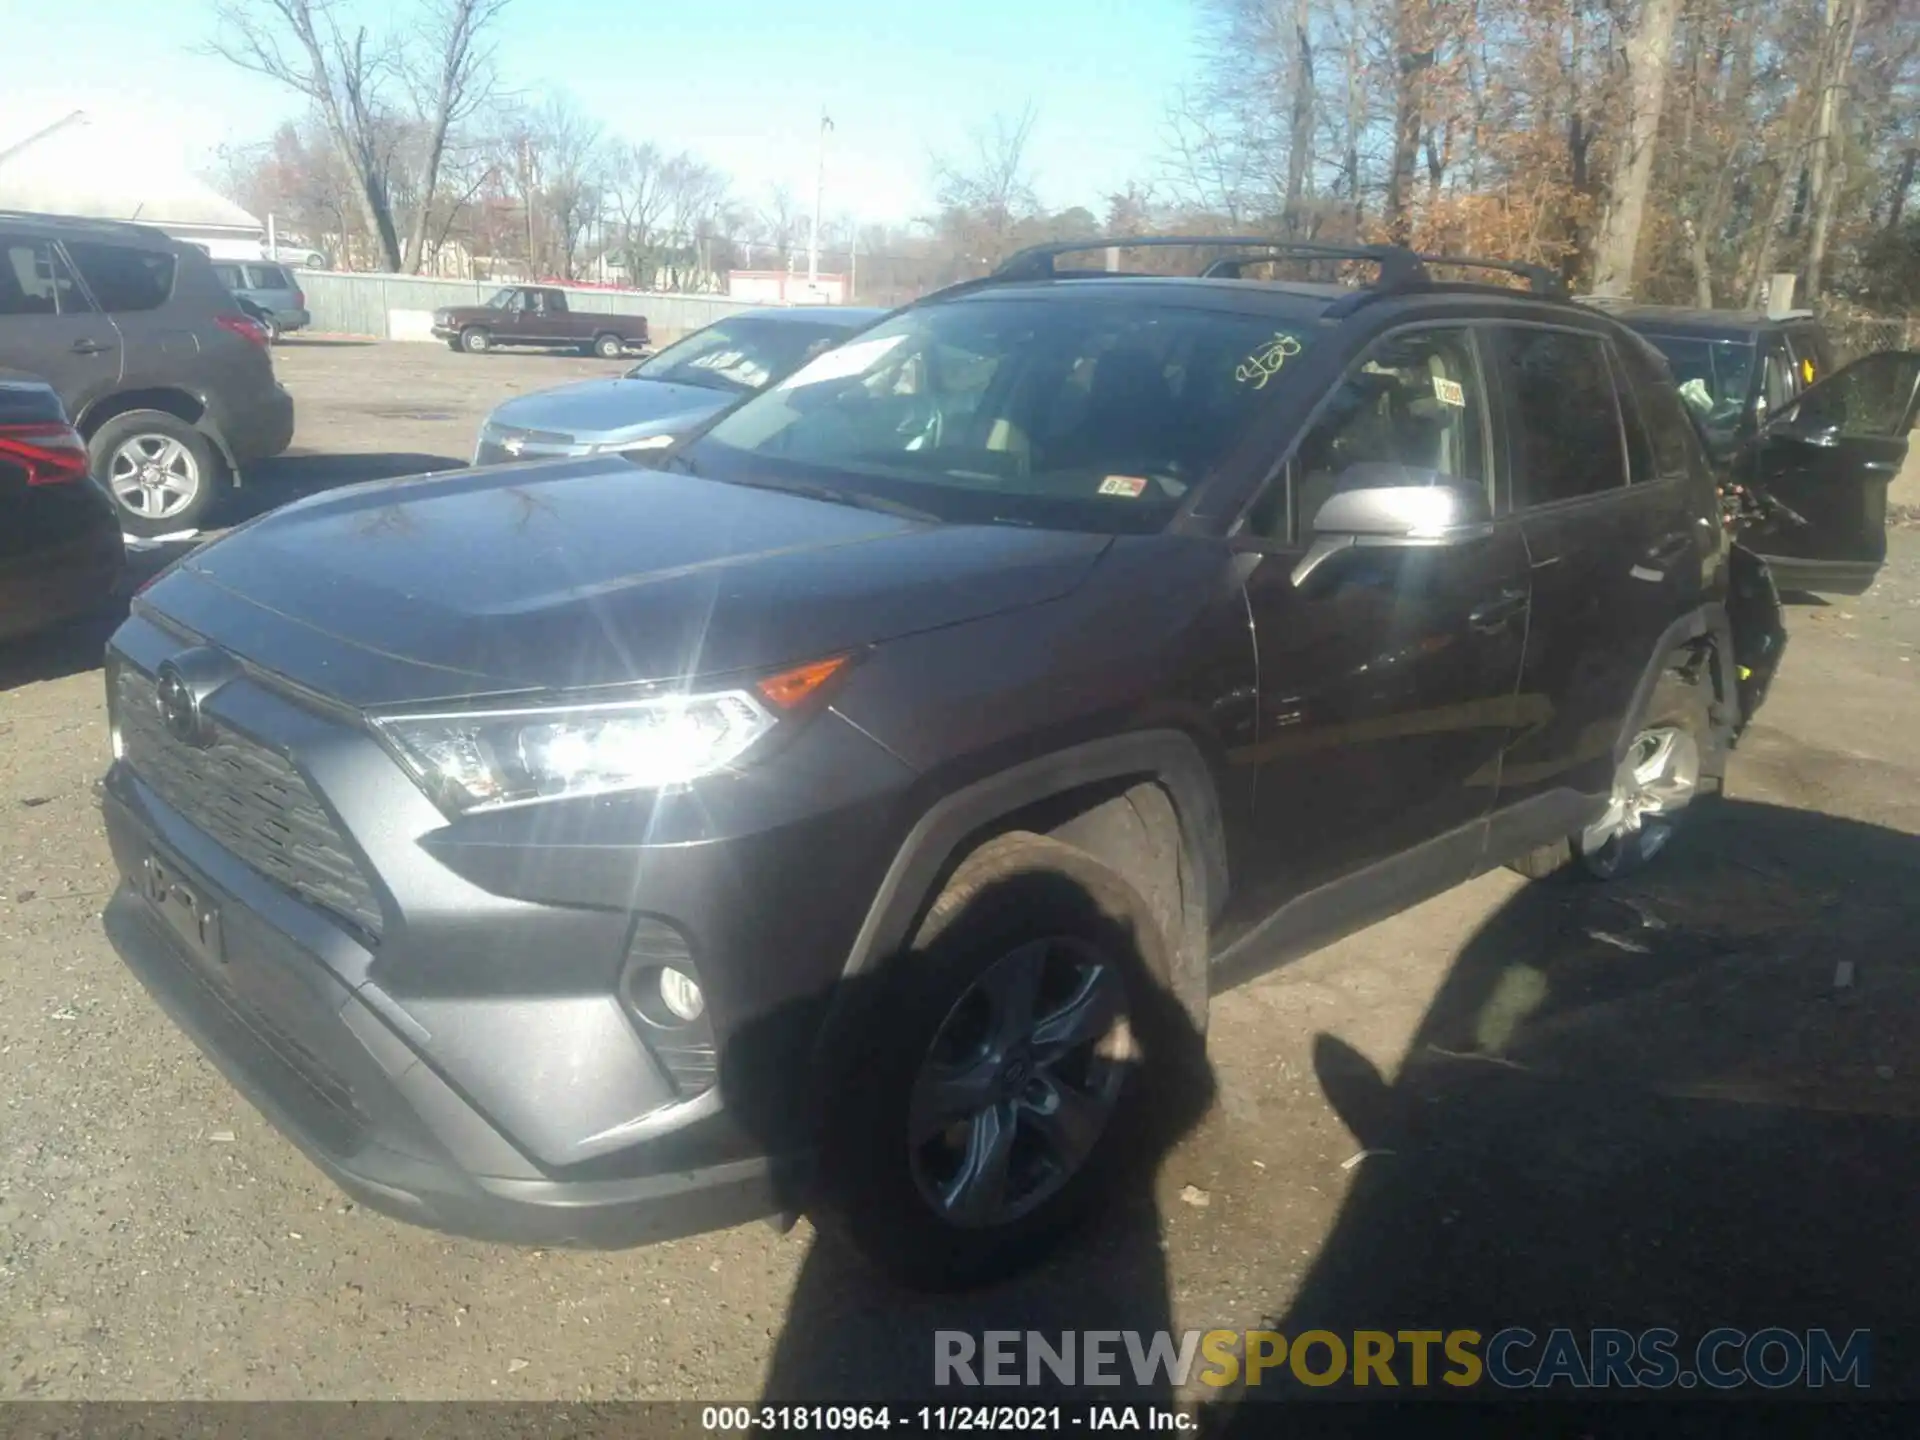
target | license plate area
x=186, y=908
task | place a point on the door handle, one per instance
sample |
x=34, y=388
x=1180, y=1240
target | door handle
x=89, y=347
x=1496, y=614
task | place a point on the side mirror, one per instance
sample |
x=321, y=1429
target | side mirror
x=1395, y=507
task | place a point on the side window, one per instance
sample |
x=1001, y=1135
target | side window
x=34, y=280
x=1670, y=433
x=1564, y=417
x=1640, y=466
x=1414, y=399
x=1871, y=397
x=124, y=279
x=1776, y=382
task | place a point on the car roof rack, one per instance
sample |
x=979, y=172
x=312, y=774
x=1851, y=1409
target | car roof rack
x=1401, y=269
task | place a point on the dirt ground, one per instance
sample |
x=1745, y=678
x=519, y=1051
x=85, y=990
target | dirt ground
x=1688, y=1100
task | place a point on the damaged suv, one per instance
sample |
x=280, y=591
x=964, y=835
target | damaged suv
x=592, y=852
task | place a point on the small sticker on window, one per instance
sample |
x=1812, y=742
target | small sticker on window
x=1132, y=486
x=1449, y=392
x=1265, y=363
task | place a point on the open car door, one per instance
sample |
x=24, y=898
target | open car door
x=1819, y=474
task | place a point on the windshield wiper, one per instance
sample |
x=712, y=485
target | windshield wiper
x=859, y=500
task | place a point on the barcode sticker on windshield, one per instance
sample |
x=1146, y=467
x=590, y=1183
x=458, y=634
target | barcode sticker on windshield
x=1131, y=486
x=1449, y=392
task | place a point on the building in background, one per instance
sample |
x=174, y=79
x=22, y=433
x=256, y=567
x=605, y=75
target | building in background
x=80, y=166
x=778, y=287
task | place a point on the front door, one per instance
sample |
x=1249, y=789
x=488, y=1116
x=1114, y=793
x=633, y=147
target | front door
x=1385, y=678
x=48, y=327
x=1821, y=472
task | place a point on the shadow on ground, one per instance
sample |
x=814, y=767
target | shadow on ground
x=1662, y=1102
x=1691, y=1100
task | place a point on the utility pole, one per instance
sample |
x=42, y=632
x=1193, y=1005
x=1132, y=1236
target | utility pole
x=819, y=189
x=853, y=260
x=526, y=191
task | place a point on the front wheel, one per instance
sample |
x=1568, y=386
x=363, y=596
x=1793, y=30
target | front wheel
x=475, y=340
x=985, y=1109
x=609, y=347
x=163, y=474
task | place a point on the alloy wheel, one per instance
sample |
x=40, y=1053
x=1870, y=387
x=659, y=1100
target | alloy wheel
x=1019, y=1083
x=1657, y=779
x=154, y=476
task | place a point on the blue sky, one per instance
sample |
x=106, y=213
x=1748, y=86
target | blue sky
x=742, y=82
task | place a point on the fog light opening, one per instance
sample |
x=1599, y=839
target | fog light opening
x=680, y=993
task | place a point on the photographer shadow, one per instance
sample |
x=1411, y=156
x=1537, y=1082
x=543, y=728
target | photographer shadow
x=1688, y=1099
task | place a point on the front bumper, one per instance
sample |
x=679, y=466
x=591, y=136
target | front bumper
x=460, y=1057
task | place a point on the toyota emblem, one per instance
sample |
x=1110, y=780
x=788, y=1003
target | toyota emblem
x=180, y=690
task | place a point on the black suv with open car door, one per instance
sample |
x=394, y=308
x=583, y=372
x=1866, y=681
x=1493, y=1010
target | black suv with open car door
x=1806, y=450
x=850, y=806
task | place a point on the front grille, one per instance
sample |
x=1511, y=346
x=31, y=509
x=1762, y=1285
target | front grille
x=250, y=800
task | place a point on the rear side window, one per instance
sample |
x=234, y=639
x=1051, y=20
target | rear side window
x=230, y=276
x=1670, y=433
x=34, y=280
x=268, y=277
x=1564, y=419
x=122, y=278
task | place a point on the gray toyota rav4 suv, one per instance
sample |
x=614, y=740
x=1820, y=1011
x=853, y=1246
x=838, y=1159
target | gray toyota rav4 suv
x=853, y=808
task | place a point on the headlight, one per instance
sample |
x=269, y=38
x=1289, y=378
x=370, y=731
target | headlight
x=481, y=759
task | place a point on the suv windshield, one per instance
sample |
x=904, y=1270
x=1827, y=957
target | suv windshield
x=1715, y=378
x=736, y=355
x=1030, y=411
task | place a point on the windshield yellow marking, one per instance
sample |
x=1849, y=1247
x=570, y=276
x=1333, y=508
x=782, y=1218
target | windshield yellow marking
x=1265, y=363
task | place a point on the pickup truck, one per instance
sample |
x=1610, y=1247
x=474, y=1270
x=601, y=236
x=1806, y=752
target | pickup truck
x=538, y=315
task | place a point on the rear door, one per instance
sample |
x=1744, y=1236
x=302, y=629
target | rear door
x=1822, y=470
x=133, y=284
x=1613, y=546
x=49, y=327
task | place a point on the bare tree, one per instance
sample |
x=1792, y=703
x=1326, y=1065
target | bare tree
x=569, y=163
x=450, y=79
x=304, y=45
x=984, y=196
x=1648, y=57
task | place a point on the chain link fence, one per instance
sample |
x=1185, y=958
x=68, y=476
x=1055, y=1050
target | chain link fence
x=1855, y=334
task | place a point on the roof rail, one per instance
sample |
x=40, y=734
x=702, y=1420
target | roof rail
x=1540, y=280
x=1397, y=265
x=1401, y=270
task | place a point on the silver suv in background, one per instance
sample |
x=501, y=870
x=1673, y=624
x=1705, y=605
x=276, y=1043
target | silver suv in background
x=169, y=382
x=663, y=397
x=272, y=288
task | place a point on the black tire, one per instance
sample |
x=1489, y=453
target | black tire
x=1017, y=889
x=609, y=347
x=118, y=443
x=476, y=340
x=1679, y=703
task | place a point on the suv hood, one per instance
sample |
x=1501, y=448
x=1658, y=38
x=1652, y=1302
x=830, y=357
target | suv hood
x=583, y=573
x=598, y=411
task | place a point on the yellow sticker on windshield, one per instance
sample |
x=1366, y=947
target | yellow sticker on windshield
x=1263, y=364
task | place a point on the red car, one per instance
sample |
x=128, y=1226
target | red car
x=61, y=552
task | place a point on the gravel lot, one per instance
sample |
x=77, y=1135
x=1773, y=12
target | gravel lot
x=1655, y=1104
